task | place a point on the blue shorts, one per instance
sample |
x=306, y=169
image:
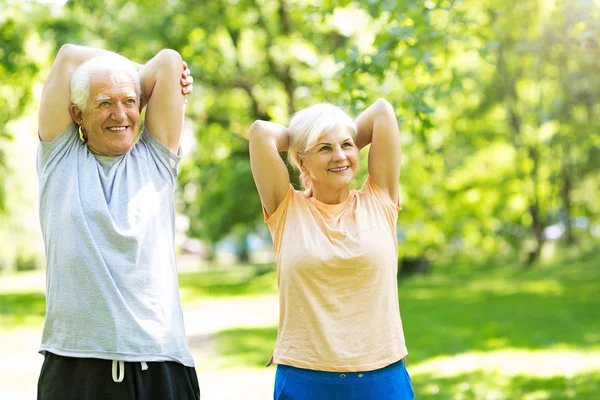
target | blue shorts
x=388, y=383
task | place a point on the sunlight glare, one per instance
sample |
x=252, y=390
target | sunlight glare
x=59, y=3
x=513, y=362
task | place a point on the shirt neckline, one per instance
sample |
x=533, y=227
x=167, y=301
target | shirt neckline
x=333, y=208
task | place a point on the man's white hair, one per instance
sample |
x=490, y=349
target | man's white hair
x=115, y=67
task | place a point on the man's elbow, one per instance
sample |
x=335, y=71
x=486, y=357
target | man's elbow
x=171, y=59
x=65, y=54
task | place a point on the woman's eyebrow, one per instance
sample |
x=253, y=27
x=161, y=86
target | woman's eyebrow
x=329, y=144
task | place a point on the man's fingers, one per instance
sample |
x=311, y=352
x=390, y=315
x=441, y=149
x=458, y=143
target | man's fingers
x=187, y=81
x=186, y=70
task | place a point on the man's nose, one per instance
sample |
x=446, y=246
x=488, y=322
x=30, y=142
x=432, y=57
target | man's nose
x=118, y=112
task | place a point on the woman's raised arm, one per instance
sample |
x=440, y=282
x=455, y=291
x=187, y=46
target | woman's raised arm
x=378, y=126
x=270, y=173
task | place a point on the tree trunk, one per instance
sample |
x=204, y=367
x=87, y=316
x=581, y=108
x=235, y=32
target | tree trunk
x=538, y=230
x=530, y=182
x=565, y=194
x=243, y=252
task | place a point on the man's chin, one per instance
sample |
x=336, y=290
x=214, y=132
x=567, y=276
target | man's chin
x=111, y=151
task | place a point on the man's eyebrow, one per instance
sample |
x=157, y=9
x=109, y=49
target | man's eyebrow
x=128, y=95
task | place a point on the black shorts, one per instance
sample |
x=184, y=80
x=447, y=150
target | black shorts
x=66, y=378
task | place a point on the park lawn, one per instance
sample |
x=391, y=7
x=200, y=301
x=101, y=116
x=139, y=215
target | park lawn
x=228, y=281
x=484, y=333
x=505, y=333
x=20, y=310
x=473, y=332
x=24, y=305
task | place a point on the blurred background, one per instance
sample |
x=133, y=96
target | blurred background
x=499, y=238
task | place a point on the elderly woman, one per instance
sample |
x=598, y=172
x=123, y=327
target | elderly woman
x=340, y=334
x=114, y=323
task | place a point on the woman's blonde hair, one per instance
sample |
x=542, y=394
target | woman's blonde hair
x=308, y=125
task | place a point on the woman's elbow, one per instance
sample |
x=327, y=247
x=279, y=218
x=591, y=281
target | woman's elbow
x=383, y=106
x=255, y=129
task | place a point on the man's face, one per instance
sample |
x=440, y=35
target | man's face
x=111, y=119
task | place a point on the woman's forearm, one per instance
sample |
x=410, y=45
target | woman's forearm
x=380, y=111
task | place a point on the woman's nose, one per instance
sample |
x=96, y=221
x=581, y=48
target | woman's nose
x=338, y=154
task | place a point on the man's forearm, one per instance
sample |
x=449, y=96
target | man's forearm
x=150, y=71
x=77, y=55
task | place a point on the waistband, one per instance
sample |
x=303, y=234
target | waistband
x=345, y=377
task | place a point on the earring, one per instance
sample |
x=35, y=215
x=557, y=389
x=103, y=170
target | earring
x=81, y=137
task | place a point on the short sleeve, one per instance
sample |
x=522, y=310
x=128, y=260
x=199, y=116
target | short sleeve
x=52, y=153
x=276, y=221
x=372, y=189
x=163, y=158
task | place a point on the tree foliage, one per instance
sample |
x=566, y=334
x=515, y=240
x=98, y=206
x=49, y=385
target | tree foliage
x=496, y=100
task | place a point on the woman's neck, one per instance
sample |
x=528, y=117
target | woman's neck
x=330, y=195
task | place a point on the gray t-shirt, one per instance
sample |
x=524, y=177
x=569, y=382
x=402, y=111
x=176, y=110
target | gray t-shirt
x=111, y=276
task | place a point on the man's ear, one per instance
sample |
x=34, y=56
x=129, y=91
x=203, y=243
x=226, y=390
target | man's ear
x=142, y=102
x=76, y=114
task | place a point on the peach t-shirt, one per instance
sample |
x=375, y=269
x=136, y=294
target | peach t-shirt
x=336, y=272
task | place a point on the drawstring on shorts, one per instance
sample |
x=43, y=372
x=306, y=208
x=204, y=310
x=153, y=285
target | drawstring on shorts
x=120, y=365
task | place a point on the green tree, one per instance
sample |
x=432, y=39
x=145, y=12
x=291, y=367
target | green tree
x=17, y=73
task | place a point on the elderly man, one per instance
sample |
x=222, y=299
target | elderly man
x=114, y=323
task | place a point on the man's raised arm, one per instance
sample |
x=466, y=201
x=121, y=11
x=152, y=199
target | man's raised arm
x=161, y=88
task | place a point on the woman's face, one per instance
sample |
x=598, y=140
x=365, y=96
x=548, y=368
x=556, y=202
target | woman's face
x=334, y=161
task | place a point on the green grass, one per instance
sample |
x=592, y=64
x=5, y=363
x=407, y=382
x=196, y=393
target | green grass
x=479, y=385
x=229, y=281
x=505, y=333
x=246, y=346
x=488, y=333
x=22, y=309
x=473, y=332
x=548, y=307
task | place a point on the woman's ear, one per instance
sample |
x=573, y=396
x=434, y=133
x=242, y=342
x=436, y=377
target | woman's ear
x=300, y=160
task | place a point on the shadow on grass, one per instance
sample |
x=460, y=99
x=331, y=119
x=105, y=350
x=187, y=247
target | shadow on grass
x=239, y=280
x=19, y=308
x=250, y=347
x=479, y=385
